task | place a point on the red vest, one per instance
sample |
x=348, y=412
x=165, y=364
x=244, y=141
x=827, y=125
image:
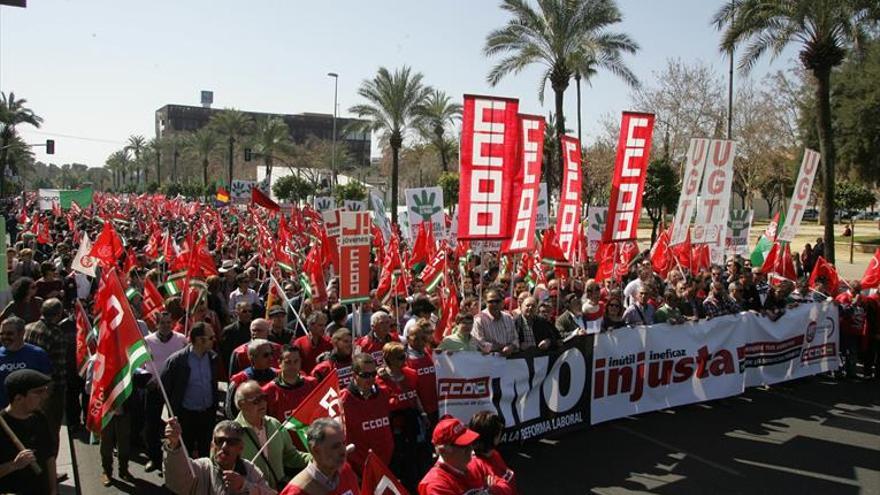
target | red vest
x=343, y=372
x=367, y=426
x=401, y=395
x=310, y=353
x=427, y=381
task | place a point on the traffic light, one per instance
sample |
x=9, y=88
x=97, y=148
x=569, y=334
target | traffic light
x=247, y=154
x=50, y=146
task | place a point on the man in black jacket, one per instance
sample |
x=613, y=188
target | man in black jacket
x=191, y=384
x=235, y=334
x=532, y=330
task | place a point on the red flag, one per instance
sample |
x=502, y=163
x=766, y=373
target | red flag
x=448, y=311
x=83, y=329
x=314, y=273
x=378, y=479
x=322, y=402
x=107, y=247
x=779, y=261
x=682, y=252
x=421, y=249
x=526, y=184
x=630, y=170
x=43, y=236
x=120, y=351
x=700, y=258
x=153, y=303
x=570, y=197
x=489, y=136
x=661, y=258
x=551, y=252
x=871, y=278
x=130, y=261
x=826, y=270
x=260, y=199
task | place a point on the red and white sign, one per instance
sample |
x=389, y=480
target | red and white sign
x=713, y=207
x=354, y=256
x=489, y=138
x=647, y=368
x=526, y=184
x=695, y=162
x=331, y=221
x=570, y=198
x=801, y=195
x=630, y=169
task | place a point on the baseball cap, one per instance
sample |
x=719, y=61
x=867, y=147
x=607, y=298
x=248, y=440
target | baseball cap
x=451, y=431
x=276, y=310
x=20, y=382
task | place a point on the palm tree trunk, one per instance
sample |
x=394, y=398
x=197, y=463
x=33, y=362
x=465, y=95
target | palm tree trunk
x=826, y=147
x=205, y=173
x=560, y=131
x=444, y=161
x=577, y=80
x=269, y=170
x=394, y=172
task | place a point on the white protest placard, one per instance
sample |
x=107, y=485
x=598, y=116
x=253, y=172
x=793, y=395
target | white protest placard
x=325, y=203
x=739, y=226
x=542, y=220
x=713, y=204
x=240, y=191
x=695, y=162
x=47, y=197
x=377, y=204
x=332, y=221
x=801, y=195
x=353, y=205
x=596, y=216
x=425, y=204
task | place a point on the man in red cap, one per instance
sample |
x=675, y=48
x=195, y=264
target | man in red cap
x=450, y=474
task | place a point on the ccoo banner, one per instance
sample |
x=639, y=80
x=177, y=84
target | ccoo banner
x=801, y=195
x=536, y=394
x=642, y=369
x=489, y=136
x=570, y=199
x=630, y=170
x=354, y=256
x=526, y=185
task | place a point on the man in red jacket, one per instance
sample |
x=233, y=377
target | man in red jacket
x=451, y=474
x=380, y=334
x=366, y=412
x=315, y=343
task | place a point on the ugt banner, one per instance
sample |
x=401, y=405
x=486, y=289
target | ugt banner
x=642, y=369
x=570, y=199
x=354, y=256
x=714, y=203
x=801, y=195
x=489, y=135
x=526, y=183
x=630, y=170
x=536, y=394
x=695, y=161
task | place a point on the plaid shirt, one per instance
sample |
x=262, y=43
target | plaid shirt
x=717, y=307
x=498, y=332
x=51, y=339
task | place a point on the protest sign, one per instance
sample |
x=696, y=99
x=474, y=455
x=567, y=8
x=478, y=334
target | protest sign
x=801, y=195
x=695, y=162
x=542, y=219
x=713, y=204
x=630, y=171
x=739, y=225
x=596, y=216
x=526, y=185
x=570, y=198
x=354, y=256
x=425, y=204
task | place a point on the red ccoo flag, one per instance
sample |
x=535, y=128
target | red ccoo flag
x=827, y=271
x=107, y=247
x=260, y=198
x=322, y=402
x=871, y=278
x=378, y=479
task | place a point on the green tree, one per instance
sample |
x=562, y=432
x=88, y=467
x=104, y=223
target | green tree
x=136, y=144
x=13, y=113
x=392, y=107
x=232, y=125
x=436, y=114
x=203, y=145
x=825, y=30
x=661, y=193
x=293, y=188
x=272, y=142
x=565, y=37
x=774, y=188
x=449, y=184
x=353, y=191
x=851, y=198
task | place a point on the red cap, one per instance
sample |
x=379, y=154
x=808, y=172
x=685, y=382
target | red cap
x=450, y=431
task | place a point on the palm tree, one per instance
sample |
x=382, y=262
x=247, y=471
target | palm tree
x=154, y=145
x=436, y=113
x=116, y=164
x=12, y=113
x=825, y=31
x=203, y=145
x=567, y=37
x=232, y=124
x=272, y=140
x=136, y=144
x=392, y=107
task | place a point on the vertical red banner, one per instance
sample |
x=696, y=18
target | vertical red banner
x=354, y=256
x=489, y=135
x=570, y=197
x=630, y=169
x=526, y=185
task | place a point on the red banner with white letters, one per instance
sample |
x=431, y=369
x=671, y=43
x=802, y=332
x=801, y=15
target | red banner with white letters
x=526, y=185
x=354, y=256
x=489, y=136
x=630, y=169
x=570, y=197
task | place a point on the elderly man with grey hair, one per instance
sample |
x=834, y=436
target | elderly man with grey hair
x=225, y=472
x=240, y=358
x=260, y=352
x=327, y=472
x=266, y=442
x=380, y=334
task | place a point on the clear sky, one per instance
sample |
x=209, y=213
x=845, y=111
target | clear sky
x=99, y=69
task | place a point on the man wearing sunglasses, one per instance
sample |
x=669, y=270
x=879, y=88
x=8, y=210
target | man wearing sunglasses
x=191, y=385
x=261, y=357
x=367, y=423
x=495, y=330
x=279, y=460
x=224, y=472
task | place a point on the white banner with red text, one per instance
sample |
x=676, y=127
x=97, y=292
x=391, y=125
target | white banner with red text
x=642, y=369
x=800, y=197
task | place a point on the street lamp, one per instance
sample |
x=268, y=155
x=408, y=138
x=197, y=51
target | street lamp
x=335, y=77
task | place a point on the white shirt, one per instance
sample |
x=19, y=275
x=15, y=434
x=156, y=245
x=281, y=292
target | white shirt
x=630, y=291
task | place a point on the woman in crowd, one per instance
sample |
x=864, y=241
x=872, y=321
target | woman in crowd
x=613, y=312
x=487, y=462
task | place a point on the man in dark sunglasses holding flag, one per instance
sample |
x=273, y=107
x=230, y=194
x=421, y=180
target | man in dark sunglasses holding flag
x=365, y=408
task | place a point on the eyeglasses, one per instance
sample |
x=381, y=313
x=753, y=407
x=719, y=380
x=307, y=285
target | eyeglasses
x=367, y=374
x=494, y=301
x=256, y=400
x=232, y=442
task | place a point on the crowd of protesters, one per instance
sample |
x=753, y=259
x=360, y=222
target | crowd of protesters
x=268, y=353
